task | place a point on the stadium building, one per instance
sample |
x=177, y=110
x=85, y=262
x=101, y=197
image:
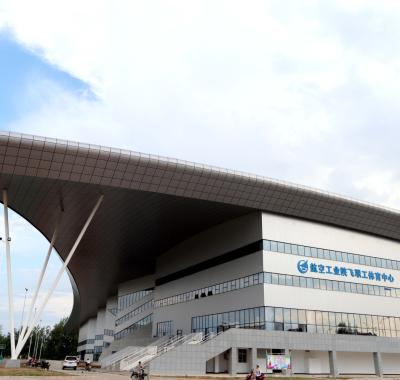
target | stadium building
x=194, y=269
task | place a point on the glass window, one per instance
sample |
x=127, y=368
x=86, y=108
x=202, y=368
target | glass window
x=274, y=246
x=286, y=315
x=320, y=253
x=275, y=279
x=278, y=326
x=307, y=251
x=278, y=314
x=314, y=252
x=373, y=261
x=266, y=245
x=303, y=282
x=397, y=323
x=356, y=259
x=295, y=249
x=288, y=248
x=293, y=315
x=296, y=280
x=282, y=279
x=302, y=316
x=242, y=355
x=339, y=256
x=325, y=318
x=378, y=262
x=345, y=257
x=327, y=255
x=318, y=317
x=289, y=280
x=269, y=314
x=300, y=250
x=367, y=260
x=332, y=255
x=362, y=260
x=281, y=247
x=309, y=282
x=310, y=317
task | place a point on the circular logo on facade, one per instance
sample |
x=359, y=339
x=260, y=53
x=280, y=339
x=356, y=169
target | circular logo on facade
x=302, y=266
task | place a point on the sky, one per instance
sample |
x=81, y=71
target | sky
x=303, y=91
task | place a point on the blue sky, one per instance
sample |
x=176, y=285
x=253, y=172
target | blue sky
x=305, y=91
x=19, y=67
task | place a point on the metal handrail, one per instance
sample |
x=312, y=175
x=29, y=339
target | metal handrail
x=124, y=354
x=170, y=344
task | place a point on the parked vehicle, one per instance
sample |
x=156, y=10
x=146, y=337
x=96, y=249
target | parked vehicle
x=70, y=362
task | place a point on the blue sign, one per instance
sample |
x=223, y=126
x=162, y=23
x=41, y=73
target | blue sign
x=303, y=267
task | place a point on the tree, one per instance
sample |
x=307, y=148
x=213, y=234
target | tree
x=59, y=343
x=48, y=343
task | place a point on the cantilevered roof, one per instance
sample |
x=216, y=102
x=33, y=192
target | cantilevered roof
x=150, y=204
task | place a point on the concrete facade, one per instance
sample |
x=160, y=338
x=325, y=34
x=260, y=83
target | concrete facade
x=367, y=350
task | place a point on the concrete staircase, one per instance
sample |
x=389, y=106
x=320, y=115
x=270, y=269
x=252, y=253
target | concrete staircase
x=149, y=353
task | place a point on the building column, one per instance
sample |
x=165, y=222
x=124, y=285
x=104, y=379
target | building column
x=253, y=358
x=333, y=363
x=216, y=364
x=378, y=364
x=233, y=359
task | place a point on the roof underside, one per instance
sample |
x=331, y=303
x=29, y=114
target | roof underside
x=150, y=204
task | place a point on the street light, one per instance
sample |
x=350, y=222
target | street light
x=23, y=310
x=30, y=339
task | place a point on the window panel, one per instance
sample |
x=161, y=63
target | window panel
x=278, y=314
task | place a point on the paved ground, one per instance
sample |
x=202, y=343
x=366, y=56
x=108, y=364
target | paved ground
x=94, y=375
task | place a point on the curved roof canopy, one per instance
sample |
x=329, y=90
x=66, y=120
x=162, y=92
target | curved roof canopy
x=150, y=204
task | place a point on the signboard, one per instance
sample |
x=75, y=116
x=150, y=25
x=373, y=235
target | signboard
x=278, y=362
x=303, y=267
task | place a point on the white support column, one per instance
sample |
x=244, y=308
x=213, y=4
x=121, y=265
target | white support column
x=38, y=285
x=9, y=274
x=60, y=273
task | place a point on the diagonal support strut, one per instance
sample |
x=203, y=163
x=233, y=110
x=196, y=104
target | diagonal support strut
x=57, y=279
x=39, y=283
x=9, y=272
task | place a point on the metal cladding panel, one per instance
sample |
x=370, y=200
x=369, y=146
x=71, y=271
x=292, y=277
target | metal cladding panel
x=151, y=203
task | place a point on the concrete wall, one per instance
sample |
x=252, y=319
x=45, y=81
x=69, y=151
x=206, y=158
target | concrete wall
x=354, y=353
x=391, y=364
x=210, y=243
x=355, y=363
x=310, y=362
x=281, y=228
x=182, y=313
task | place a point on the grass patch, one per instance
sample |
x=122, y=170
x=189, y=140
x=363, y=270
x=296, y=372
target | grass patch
x=28, y=372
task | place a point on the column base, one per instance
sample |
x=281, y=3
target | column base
x=12, y=363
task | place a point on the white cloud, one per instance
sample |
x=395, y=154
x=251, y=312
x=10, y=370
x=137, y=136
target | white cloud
x=304, y=91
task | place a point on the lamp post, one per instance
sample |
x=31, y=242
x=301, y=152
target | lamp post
x=30, y=339
x=23, y=309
